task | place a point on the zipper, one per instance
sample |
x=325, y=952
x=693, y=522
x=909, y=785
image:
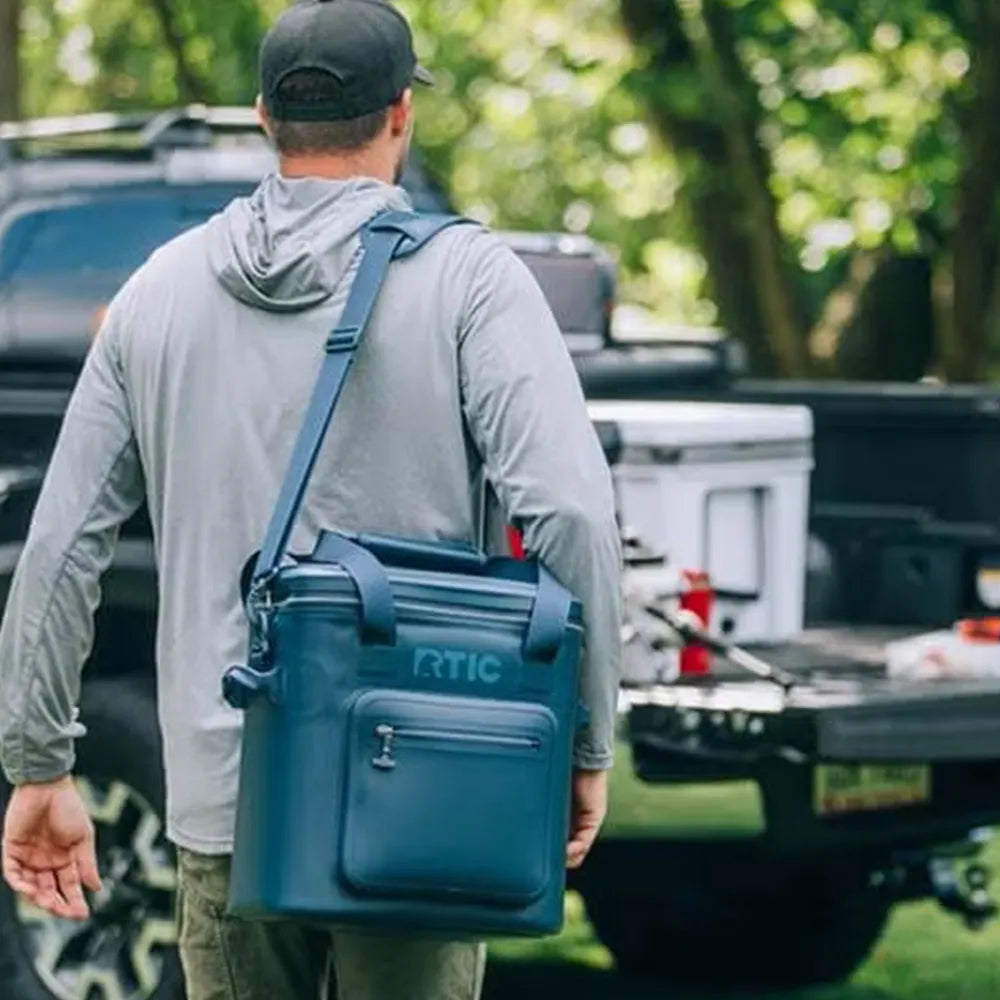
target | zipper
x=389, y=736
x=480, y=585
x=418, y=609
x=515, y=618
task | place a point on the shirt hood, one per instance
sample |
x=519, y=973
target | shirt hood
x=286, y=246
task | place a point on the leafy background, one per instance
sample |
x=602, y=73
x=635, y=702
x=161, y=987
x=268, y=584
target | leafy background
x=818, y=178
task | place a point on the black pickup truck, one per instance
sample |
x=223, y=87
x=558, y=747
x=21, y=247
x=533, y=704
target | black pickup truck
x=713, y=846
x=904, y=539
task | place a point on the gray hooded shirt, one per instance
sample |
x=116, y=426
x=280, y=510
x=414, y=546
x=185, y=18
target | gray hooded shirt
x=191, y=398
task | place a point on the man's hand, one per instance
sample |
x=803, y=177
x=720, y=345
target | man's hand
x=589, y=807
x=48, y=848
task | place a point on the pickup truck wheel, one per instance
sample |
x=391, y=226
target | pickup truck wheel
x=808, y=928
x=127, y=950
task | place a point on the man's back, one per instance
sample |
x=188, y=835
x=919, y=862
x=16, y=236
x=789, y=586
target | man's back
x=216, y=343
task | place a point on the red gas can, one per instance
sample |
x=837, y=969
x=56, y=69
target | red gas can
x=696, y=597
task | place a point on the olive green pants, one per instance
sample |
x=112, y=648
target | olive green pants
x=226, y=958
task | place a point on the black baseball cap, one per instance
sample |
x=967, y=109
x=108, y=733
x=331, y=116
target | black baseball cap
x=366, y=47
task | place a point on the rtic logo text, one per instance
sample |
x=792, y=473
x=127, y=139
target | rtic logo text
x=457, y=665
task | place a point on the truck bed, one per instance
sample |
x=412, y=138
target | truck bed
x=844, y=708
x=830, y=649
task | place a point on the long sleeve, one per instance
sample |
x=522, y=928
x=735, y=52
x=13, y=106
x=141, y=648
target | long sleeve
x=92, y=485
x=528, y=418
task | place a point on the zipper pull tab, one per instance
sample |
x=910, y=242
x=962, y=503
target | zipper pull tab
x=385, y=761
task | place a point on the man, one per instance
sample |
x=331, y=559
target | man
x=190, y=399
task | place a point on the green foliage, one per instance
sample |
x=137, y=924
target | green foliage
x=858, y=98
x=529, y=126
x=85, y=55
x=541, y=116
x=533, y=127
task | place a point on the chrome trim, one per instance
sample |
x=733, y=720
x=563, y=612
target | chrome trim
x=72, y=125
x=150, y=125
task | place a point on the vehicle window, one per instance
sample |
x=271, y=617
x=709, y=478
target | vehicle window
x=59, y=264
x=100, y=240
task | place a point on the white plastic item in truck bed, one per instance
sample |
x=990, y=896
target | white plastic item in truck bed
x=722, y=488
x=942, y=655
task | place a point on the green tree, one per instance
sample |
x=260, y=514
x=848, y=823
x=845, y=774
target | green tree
x=854, y=136
x=817, y=155
x=125, y=54
x=818, y=177
x=10, y=59
x=532, y=126
x=700, y=95
x=969, y=331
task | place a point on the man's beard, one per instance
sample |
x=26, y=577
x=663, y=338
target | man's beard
x=397, y=176
x=403, y=157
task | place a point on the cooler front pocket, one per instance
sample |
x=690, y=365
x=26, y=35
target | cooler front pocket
x=450, y=798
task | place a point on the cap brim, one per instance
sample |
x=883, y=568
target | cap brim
x=424, y=76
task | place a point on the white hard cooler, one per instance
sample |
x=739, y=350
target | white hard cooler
x=722, y=488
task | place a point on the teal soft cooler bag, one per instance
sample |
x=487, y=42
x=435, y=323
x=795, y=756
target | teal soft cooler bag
x=410, y=710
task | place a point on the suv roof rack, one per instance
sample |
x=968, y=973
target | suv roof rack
x=194, y=125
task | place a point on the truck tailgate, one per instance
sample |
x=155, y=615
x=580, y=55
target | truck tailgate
x=830, y=719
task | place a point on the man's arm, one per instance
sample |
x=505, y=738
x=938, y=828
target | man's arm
x=527, y=415
x=93, y=484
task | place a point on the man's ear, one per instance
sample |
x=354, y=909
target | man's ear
x=400, y=114
x=262, y=118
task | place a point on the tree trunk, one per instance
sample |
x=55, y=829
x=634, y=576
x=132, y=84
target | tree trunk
x=714, y=208
x=736, y=98
x=10, y=64
x=728, y=191
x=889, y=334
x=965, y=352
x=190, y=85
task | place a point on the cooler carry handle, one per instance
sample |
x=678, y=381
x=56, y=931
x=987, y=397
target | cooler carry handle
x=361, y=556
x=413, y=553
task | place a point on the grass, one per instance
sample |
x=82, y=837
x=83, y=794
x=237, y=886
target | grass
x=929, y=955
x=926, y=954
